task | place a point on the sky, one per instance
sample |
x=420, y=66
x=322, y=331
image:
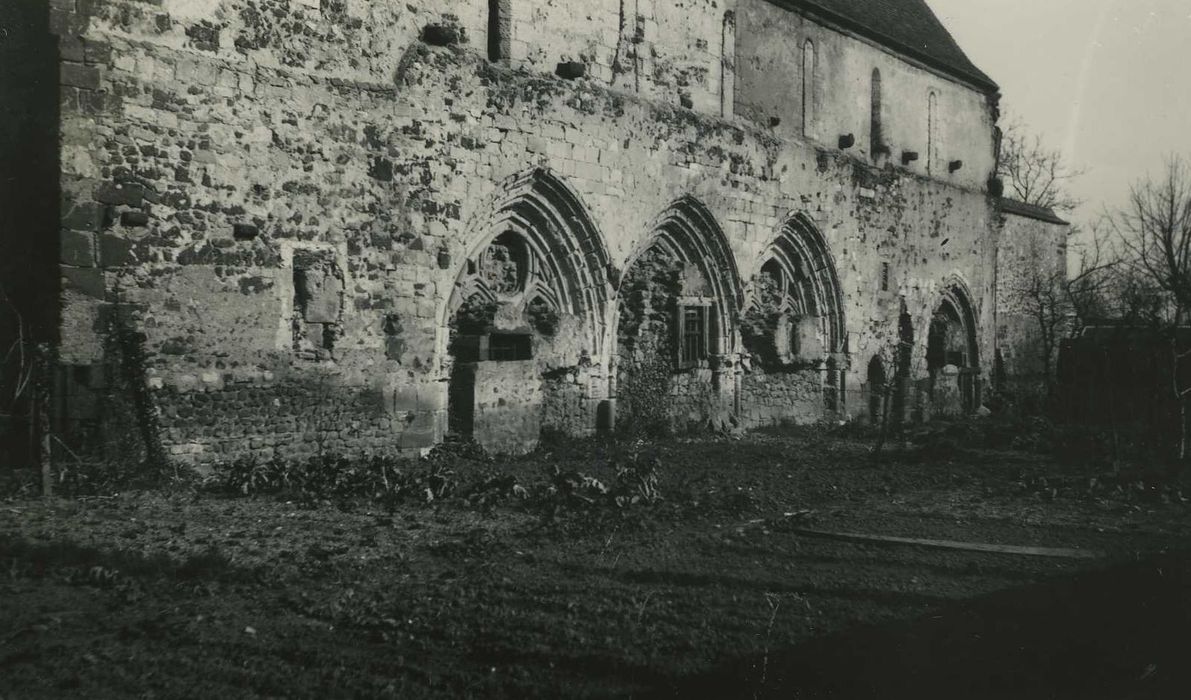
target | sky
x=1108, y=82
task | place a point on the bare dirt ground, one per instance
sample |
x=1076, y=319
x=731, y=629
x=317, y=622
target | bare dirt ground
x=708, y=593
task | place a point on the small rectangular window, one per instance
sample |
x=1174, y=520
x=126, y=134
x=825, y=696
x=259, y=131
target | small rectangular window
x=692, y=335
x=510, y=347
x=884, y=277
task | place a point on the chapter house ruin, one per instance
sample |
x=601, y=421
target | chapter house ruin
x=362, y=226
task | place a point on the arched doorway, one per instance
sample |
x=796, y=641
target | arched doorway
x=952, y=353
x=676, y=324
x=525, y=320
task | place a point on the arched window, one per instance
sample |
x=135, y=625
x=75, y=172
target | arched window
x=728, y=66
x=876, y=137
x=932, y=130
x=808, y=87
x=500, y=30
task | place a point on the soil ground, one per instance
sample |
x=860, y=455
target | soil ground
x=709, y=593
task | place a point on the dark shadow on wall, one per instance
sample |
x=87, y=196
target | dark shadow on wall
x=903, y=370
x=29, y=216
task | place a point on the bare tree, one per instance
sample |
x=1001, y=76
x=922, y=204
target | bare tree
x=1032, y=172
x=1059, y=305
x=1155, y=227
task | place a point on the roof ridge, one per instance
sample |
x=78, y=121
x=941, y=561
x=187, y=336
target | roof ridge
x=1034, y=211
x=897, y=25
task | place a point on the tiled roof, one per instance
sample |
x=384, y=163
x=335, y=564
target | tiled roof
x=909, y=27
x=1031, y=211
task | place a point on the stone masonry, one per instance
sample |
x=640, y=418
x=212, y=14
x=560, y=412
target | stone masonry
x=357, y=226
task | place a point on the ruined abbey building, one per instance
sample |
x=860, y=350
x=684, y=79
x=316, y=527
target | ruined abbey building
x=297, y=227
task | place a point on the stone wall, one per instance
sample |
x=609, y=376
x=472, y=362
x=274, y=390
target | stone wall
x=207, y=145
x=773, y=398
x=769, y=89
x=221, y=422
x=508, y=416
x=1031, y=255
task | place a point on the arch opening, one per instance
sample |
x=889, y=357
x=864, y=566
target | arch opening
x=795, y=312
x=524, y=323
x=676, y=324
x=793, y=329
x=952, y=353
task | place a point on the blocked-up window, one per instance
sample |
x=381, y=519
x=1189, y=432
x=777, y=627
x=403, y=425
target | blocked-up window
x=808, y=87
x=318, y=303
x=806, y=340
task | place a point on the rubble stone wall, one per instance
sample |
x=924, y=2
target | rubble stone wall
x=208, y=145
x=773, y=398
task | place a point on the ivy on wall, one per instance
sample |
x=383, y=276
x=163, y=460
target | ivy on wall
x=759, y=323
x=646, y=341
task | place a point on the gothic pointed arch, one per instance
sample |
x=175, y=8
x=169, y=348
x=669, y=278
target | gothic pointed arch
x=953, y=349
x=953, y=337
x=797, y=287
x=690, y=229
x=688, y=233
x=535, y=242
x=676, y=323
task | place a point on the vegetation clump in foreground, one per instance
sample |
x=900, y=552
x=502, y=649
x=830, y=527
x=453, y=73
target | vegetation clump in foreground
x=587, y=569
